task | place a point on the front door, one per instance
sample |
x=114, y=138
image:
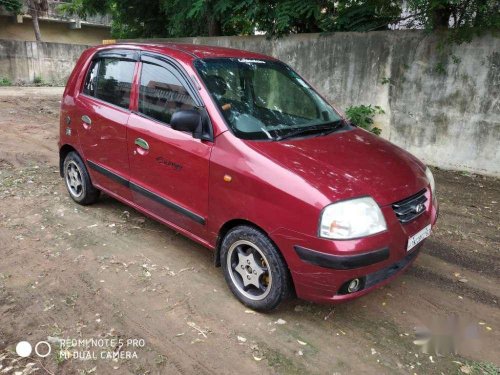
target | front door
x=103, y=113
x=168, y=168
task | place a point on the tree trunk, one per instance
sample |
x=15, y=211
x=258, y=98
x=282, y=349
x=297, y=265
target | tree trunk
x=214, y=27
x=36, y=25
x=441, y=16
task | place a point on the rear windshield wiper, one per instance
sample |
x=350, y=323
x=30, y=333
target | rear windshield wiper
x=323, y=130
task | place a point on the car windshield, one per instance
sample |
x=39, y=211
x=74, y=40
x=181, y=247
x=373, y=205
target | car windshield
x=265, y=99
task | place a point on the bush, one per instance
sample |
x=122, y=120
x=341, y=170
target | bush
x=362, y=116
x=38, y=80
x=4, y=81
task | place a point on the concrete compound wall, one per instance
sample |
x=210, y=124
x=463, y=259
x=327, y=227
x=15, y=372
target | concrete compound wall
x=445, y=110
x=25, y=60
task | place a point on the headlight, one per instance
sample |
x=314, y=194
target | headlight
x=430, y=178
x=351, y=219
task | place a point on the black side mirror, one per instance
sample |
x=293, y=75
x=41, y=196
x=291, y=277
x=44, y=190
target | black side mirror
x=188, y=120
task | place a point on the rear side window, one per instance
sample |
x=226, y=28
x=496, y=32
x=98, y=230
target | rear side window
x=91, y=80
x=110, y=79
x=161, y=93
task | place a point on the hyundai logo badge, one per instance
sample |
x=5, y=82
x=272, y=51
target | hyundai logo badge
x=419, y=208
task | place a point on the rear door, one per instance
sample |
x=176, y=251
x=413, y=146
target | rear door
x=168, y=168
x=103, y=110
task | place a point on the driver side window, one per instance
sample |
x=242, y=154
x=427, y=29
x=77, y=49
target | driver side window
x=161, y=94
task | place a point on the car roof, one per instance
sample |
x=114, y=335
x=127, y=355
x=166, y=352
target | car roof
x=187, y=52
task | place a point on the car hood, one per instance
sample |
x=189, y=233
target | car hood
x=349, y=163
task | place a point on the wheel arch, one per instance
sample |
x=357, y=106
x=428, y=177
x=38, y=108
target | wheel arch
x=227, y=226
x=63, y=152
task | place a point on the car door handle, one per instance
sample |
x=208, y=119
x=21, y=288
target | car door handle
x=86, y=119
x=142, y=143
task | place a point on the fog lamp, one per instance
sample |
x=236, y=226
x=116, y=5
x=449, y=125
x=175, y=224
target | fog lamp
x=354, y=285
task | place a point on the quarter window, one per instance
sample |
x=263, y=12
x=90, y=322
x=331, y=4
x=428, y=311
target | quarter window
x=161, y=94
x=110, y=79
x=91, y=80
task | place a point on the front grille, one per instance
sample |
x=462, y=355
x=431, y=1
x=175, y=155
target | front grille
x=410, y=208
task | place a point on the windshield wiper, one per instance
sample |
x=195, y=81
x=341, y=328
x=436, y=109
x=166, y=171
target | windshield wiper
x=322, y=130
x=336, y=126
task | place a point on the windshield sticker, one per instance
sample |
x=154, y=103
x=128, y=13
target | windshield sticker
x=250, y=61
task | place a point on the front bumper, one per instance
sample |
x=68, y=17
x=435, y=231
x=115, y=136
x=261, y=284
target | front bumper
x=310, y=289
x=342, y=262
x=321, y=268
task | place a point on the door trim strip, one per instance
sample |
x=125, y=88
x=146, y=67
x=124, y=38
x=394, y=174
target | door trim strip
x=106, y=172
x=149, y=194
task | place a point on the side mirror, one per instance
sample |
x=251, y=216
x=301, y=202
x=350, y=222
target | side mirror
x=188, y=120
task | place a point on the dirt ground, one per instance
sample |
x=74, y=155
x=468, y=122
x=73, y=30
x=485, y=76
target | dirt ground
x=107, y=272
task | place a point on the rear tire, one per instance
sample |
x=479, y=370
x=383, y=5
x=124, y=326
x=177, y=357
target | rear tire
x=77, y=180
x=254, y=269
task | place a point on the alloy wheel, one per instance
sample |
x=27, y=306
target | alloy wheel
x=74, y=179
x=249, y=270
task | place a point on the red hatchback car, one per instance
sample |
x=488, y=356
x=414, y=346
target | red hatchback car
x=239, y=153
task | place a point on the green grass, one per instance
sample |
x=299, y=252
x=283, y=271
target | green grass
x=38, y=80
x=479, y=368
x=4, y=81
x=281, y=363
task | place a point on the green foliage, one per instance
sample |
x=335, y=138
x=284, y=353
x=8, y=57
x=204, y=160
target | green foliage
x=386, y=81
x=275, y=18
x=479, y=368
x=178, y=18
x=38, y=80
x=4, y=81
x=455, y=59
x=13, y=6
x=440, y=68
x=85, y=8
x=362, y=116
x=464, y=18
x=367, y=15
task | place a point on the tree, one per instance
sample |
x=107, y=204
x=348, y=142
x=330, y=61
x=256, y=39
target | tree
x=35, y=8
x=178, y=18
x=13, y=6
x=175, y=18
x=161, y=18
x=464, y=18
x=454, y=14
x=367, y=15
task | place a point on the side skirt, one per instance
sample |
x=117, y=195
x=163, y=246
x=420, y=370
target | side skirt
x=149, y=194
x=155, y=217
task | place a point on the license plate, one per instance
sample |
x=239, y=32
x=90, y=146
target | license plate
x=419, y=237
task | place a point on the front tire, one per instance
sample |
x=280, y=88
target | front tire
x=254, y=269
x=77, y=180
